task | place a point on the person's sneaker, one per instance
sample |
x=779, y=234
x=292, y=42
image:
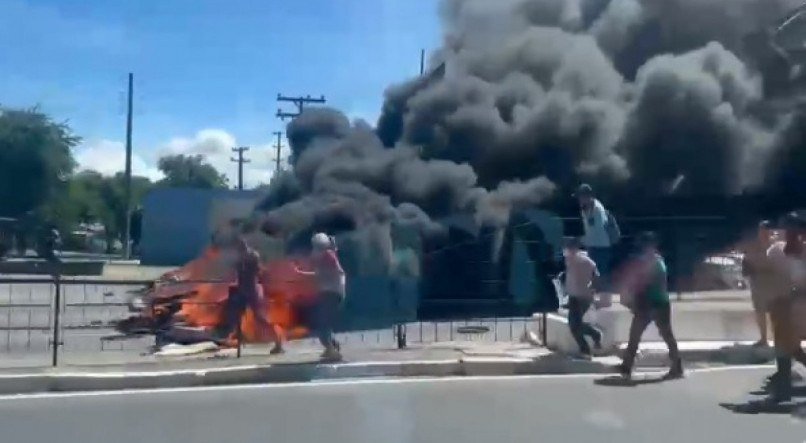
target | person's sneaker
x=624, y=371
x=675, y=372
x=597, y=342
x=331, y=355
x=761, y=344
x=582, y=356
x=780, y=392
x=277, y=350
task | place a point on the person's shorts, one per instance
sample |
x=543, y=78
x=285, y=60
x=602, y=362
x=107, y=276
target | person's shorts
x=760, y=300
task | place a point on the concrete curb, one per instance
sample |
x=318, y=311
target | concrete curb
x=470, y=366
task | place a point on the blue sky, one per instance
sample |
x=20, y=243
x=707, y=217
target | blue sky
x=207, y=72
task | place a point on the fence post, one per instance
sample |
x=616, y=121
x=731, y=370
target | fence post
x=400, y=333
x=56, y=312
x=239, y=336
x=544, y=334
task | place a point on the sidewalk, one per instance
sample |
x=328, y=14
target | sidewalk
x=301, y=364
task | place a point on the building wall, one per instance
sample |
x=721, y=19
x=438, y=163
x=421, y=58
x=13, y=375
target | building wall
x=178, y=223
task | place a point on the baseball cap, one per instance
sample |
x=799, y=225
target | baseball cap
x=584, y=190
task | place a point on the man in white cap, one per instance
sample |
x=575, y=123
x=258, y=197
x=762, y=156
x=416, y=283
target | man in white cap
x=601, y=234
x=331, y=283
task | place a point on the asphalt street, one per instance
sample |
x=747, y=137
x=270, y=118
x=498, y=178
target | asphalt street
x=545, y=409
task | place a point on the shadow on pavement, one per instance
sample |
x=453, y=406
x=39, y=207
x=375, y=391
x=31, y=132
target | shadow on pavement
x=767, y=406
x=621, y=382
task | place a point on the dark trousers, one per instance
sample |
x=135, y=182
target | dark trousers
x=325, y=317
x=661, y=315
x=577, y=307
x=238, y=302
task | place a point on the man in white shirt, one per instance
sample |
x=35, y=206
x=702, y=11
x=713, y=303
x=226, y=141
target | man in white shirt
x=597, y=239
x=580, y=275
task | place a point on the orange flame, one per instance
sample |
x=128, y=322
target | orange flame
x=204, y=298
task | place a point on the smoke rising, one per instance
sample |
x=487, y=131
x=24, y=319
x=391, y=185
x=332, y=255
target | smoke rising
x=527, y=98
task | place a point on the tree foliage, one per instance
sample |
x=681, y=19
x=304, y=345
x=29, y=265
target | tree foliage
x=190, y=171
x=35, y=159
x=39, y=184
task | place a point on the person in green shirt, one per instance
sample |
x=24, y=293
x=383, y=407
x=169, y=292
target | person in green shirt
x=645, y=285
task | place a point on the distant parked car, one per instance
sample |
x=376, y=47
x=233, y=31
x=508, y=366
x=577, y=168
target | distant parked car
x=722, y=271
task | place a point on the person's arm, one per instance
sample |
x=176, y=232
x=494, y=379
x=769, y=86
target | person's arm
x=596, y=277
x=331, y=260
x=302, y=271
x=747, y=267
x=599, y=214
x=662, y=277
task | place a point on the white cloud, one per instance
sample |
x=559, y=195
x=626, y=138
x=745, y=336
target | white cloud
x=109, y=157
x=215, y=145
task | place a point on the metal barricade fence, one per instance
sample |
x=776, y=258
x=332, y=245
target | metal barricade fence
x=52, y=321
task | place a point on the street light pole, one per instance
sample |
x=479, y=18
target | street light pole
x=127, y=235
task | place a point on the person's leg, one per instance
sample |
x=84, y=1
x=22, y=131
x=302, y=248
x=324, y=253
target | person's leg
x=780, y=383
x=640, y=321
x=662, y=316
x=761, y=321
x=257, y=303
x=761, y=315
x=326, y=315
x=587, y=328
x=575, y=313
x=234, y=308
x=602, y=258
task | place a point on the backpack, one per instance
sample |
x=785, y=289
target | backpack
x=612, y=228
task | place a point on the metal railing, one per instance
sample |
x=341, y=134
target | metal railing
x=51, y=317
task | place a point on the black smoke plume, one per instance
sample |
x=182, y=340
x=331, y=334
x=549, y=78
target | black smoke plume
x=526, y=98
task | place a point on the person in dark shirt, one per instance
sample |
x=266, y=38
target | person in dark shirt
x=247, y=293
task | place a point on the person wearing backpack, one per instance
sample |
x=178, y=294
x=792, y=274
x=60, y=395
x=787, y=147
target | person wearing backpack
x=601, y=234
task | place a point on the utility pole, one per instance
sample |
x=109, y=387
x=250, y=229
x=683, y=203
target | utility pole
x=299, y=102
x=278, y=146
x=240, y=160
x=127, y=248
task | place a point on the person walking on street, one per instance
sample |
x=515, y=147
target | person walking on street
x=601, y=233
x=646, y=287
x=247, y=293
x=761, y=278
x=580, y=276
x=788, y=259
x=331, y=288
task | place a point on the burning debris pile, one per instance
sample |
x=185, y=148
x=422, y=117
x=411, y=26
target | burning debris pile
x=188, y=305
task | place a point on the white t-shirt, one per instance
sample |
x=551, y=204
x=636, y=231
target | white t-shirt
x=580, y=271
x=594, y=221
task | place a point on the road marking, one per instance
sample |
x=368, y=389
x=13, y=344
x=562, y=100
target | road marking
x=348, y=382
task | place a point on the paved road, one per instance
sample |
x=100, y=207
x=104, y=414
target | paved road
x=546, y=409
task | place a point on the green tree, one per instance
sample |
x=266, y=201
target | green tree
x=90, y=197
x=35, y=159
x=190, y=171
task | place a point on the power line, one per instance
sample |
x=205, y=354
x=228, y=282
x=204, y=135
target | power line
x=299, y=102
x=240, y=160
